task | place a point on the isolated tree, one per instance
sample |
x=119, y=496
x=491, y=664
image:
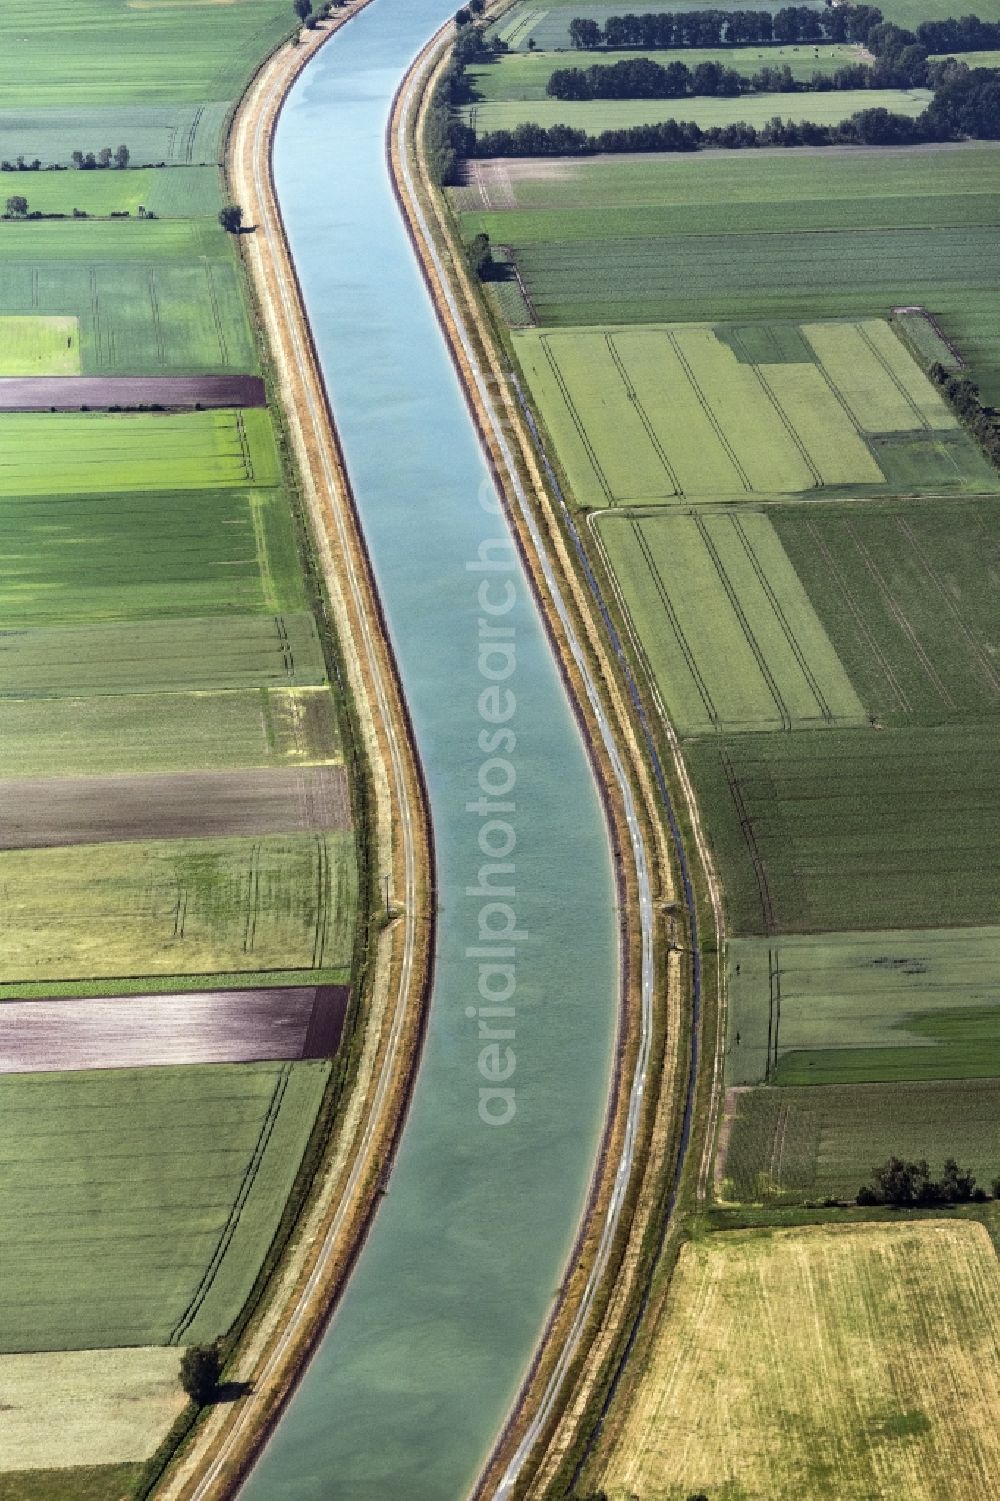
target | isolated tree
x=200, y=1371
x=77, y=158
x=122, y=156
x=302, y=8
x=231, y=218
x=481, y=257
x=104, y=156
x=17, y=206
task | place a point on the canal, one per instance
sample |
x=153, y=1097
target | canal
x=415, y=1375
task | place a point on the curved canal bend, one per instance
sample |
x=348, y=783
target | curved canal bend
x=415, y=1375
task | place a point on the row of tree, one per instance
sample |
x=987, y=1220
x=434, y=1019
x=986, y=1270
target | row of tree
x=644, y=78
x=909, y=1185
x=982, y=422
x=726, y=28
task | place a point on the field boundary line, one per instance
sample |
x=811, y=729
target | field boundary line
x=746, y=822
x=781, y=617
x=676, y=626
x=732, y=594
x=899, y=615
x=866, y=339
x=706, y=407
x=788, y=425
x=643, y=415
x=574, y=414
x=239, y=1203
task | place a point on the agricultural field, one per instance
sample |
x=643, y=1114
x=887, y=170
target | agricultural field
x=524, y=75
x=87, y=1407
x=744, y=1393
x=547, y=26
x=595, y=115
x=103, y=52
x=770, y=235
x=697, y=413
x=864, y=1007
x=174, y=135
x=906, y=591
x=45, y=812
x=206, y=1155
x=159, y=732
x=70, y=453
x=179, y=906
x=786, y=1145
x=120, y=556
x=169, y=192
x=853, y=830
x=39, y=345
x=210, y=1026
x=732, y=640
x=150, y=296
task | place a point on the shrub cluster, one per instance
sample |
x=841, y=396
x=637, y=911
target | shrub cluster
x=963, y=395
x=909, y=1185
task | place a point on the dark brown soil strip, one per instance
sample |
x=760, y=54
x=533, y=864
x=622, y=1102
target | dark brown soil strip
x=215, y=1026
x=72, y=393
x=326, y=1023
x=39, y=813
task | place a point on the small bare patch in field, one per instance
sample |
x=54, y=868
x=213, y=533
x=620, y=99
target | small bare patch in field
x=42, y=813
x=221, y=1026
x=86, y=1407
x=834, y=1363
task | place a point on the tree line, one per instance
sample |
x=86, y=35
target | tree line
x=982, y=421
x=726, y=28
x=909, y=1185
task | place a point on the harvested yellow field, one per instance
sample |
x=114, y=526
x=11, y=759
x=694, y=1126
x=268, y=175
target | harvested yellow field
x=822, y=1364
x=87, y=1407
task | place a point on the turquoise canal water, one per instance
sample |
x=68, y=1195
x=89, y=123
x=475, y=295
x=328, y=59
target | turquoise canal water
x=414, y=1377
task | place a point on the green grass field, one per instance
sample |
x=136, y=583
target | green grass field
x=757, y=235
x=137, y=556
x=907, y=595
x=524, y=75
x=794, y=1144
x=181, y=193
x=864, y=1007
x=696, y=413
x=100, y=52
x=172, y=134
x=87, y=1407
x=728, y=631
x=178, y=731
x=39, y=346
x=88, y=1483
x=203, y=653
x=596, y=115
x=67, y=453
x=853, y=830
x=141, y=1202
x=151, y=296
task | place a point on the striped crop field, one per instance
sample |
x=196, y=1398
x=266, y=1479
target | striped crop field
x=787, y=1145
x=190, y=1168
x=730, y=636
x=66, y=453
x=157, y=731
x=853, y=830
x=864, y=1007
x=907, y=593
x=179, y=906
x=695, y=413
x=801, y=1363
x=179, y=135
